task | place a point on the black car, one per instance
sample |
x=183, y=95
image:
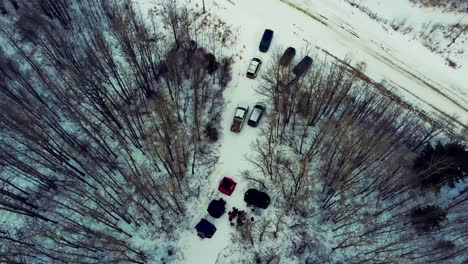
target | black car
x=217, y=208
x=266, y=40
x=205, y=229
x=257, y=198
x=256, y=114
x=302, y=66
x=287, y=56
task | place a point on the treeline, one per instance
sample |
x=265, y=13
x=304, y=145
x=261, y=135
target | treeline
x=353, y=175
x=457, y=5
x=106, y=118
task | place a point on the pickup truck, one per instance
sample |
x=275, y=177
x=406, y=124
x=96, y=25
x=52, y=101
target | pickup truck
x=239, y=117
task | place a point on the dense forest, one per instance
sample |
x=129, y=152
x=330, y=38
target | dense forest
x=106, y=122
x=356, y=177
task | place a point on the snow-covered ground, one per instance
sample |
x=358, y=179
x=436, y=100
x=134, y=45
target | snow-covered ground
x=419, y=76
x=233, y=152
x=434, y=27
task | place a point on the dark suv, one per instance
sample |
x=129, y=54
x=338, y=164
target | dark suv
x=266, y=40
x=302, y=66
x=287, y=56
x=256, y=198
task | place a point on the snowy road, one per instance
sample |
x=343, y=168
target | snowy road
x=422, y=78
x=234, y=149
x=419, y=76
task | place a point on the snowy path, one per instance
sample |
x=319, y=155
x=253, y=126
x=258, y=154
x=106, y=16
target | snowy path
x=422, y=78
x=234, y=149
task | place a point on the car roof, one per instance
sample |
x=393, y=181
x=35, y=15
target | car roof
x=287, y=56
x=253, y=65
x=303, y=65
x=205, y=227
x=240, y=111
x=260, y=104
x=244, y=107
x=255, y=114
x=307, y=59
x=257, y=198
x=216, y=207
x=290, y=50
x=268, y=33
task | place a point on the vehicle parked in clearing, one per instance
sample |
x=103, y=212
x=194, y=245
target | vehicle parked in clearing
x=266, y=40
x=256, y=114
x=257, y=198
x=253, y=67
x=287, y=56
x=205, y=229
x=217, y=208
x=239, y=117
x=227, y=185
x=302, y=66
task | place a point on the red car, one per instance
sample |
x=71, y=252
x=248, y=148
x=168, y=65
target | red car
x=227, y=186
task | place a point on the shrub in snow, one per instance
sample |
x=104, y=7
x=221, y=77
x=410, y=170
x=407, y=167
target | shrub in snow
x=444, y=164
x=211, y=132
x=428, y=217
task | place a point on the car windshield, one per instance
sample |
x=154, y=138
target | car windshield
x=240, y=112
x=255, y=114
x=253, y=66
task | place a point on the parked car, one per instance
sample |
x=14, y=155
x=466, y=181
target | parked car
x=239, y=117
x=205, y=229
x=302, y=66
x=227, y=185
x=266, y=40
x=256, y=114
x=217, y=208
x=253, y=67
x=287, y=56
x=257, y=198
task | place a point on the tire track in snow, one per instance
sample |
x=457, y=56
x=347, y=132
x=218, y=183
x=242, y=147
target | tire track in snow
x=340, y=30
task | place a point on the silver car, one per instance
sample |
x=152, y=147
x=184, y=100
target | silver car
x=253, y=67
